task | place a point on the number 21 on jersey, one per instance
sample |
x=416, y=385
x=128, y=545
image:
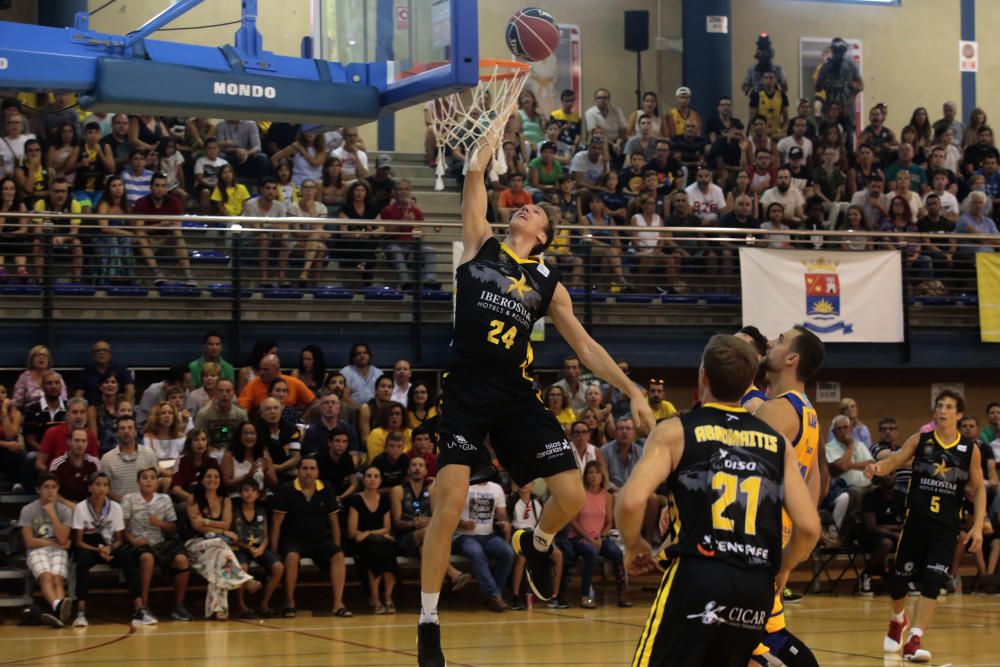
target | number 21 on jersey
x=730, y=485
x=496, y=335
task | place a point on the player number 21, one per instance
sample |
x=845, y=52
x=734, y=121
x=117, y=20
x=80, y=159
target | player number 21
x=729, y=484
x=507, y=339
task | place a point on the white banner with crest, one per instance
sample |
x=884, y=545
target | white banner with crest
x=843, y=297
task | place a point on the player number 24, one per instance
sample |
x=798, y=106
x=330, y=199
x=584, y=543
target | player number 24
x=729, y=484
x=507, y=339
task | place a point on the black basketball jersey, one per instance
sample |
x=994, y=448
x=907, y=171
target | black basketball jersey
x=499, y=296
x=940, y=472
x=727, y=490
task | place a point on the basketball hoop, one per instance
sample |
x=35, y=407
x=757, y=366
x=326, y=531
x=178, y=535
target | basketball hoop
x=477, y=117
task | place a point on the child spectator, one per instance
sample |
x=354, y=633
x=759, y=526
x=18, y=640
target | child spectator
x=206, y=174
x=151, y=529
x=172, y=164
x=45, y=527
x=229, y=196
x=250, y=525
x=136, y=177
x=513, y=198
x=98, y=524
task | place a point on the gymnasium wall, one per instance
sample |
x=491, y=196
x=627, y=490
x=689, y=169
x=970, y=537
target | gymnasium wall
x=283, y=24
x=20, y=12
x=910, y=51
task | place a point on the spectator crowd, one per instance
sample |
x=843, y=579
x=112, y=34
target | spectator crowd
x=777, y=169
x=242, y=475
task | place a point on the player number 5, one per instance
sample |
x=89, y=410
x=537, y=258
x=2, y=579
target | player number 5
x=729, y=484
x=507, y=339
x=935, y=504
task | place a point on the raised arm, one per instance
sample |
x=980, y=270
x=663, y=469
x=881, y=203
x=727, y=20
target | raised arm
x=596, y=358
x=475, y=200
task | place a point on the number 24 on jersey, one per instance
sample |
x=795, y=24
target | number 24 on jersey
x=496, y=335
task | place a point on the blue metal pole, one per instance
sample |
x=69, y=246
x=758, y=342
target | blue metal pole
x=707, y=62
x=249, y=42
x=968, y=28
x=163, y=18
x=384, y=52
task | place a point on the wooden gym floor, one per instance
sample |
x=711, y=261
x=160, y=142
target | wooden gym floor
x=842, y=631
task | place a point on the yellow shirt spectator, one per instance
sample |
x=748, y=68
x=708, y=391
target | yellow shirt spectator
x=665, y=410
x=235, y=197
x=376, y=442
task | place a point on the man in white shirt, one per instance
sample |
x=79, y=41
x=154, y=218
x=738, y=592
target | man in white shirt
x=589, y=166
x=604, y=114
x=796, y=138
x=478, y=541
x=353, y=160
x=401, y=375
x=706, y=198
x=848, y=459
x=949, y=202
x=783, y=193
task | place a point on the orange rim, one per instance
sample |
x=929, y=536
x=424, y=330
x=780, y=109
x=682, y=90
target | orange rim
x=519, y=69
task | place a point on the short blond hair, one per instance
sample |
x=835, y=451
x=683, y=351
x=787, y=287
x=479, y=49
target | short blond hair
x=39, y=349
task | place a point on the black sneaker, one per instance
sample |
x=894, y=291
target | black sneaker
x=538, y=565
x=557, y=603
x=517, y=603
x=429, y=646
x=788, y=596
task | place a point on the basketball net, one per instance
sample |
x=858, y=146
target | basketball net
x=476, y=118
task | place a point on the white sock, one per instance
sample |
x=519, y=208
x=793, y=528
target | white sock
x=55, y=605
x=899, y=617
x=916, y=632
x=429, y=607
x=840, y=506
x=543, y=540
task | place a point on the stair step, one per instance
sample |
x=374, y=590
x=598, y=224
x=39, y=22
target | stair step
x=14, y=572
x=16, y=601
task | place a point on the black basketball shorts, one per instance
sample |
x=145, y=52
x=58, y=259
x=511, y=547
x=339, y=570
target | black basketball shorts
x=924, y=546
x=705, y=613
x=525, y=436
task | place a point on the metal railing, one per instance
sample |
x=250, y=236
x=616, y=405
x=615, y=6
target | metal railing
x=213, y=268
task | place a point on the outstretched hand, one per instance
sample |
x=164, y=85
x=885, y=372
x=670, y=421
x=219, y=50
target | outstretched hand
x=640, y=560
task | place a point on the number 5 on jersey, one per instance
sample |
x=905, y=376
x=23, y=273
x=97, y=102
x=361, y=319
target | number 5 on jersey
x=507, y=339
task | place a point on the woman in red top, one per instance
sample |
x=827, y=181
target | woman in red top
x=589, y=539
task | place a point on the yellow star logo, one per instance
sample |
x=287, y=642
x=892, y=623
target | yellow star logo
x=518, y=285
x=941, y=469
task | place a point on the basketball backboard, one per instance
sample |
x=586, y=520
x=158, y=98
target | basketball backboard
x=425, y=48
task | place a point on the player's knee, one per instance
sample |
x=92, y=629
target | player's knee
x=933, y=581
x=796, y=654
x=897, y=587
